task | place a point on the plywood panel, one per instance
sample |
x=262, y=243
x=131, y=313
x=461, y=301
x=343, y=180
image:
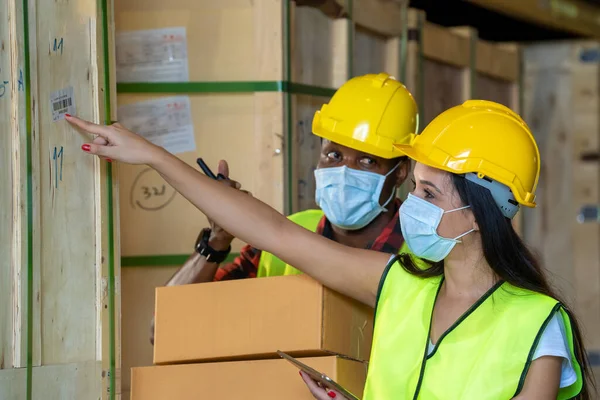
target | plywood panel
x=138, y=309
x=68, y=381
x=443, y=88
x=224, y=127
x=318, y=50
x=76, y=292
x=13, y=384
x=226, y=40
x=68, y=270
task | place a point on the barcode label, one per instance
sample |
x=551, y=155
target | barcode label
x=62, y=102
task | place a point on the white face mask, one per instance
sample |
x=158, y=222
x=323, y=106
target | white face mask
x=349, y=198
x=419, y=221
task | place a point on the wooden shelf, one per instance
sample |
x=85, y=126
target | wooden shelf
x=574, y=16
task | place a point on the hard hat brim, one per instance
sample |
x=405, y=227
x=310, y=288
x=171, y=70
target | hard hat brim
x=394, y=151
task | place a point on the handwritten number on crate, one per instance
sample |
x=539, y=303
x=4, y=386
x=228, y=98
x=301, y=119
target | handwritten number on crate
x=3, y=88
x=4, y=85
x=57, y=157
x=21, y=87
x=155, y=191
x=58, y=45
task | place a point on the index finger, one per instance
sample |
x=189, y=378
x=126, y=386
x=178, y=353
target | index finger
x=90, y=127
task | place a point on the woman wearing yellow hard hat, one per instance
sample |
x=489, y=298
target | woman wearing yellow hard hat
x=480, y=321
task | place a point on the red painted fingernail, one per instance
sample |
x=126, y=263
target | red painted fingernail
x=332, y=395
x=67, y=115
x=299, y=373
x=85, y=147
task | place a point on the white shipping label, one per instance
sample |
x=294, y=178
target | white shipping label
x=155, y=55
x=62, y=102
x=166, y=122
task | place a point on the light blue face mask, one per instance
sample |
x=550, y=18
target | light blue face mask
x=419, y=221
x=349, y=197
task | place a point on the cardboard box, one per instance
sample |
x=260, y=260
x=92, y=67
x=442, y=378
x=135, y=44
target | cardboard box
x=253, y=318
x=249, y=380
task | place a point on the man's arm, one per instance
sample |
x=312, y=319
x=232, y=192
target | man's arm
x=197, y=269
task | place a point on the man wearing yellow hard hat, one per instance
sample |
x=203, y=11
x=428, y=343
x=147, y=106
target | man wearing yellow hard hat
x=357, y=177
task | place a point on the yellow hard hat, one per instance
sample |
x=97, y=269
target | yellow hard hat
x=485, y=138
x=370, y=113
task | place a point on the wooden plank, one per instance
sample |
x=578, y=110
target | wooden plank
x=73, y=301
x=488, y=88
x=68, y=272
x=415, y=19
x=315, y=41
x=575, y=16
x=381, y=16
x=547, y=111
x=13, y=384
x=445, y=46
x=500, y=61
x=444, y=88
x=67, y=381
x=369, y=52
x=13, y=217
x=308, y=149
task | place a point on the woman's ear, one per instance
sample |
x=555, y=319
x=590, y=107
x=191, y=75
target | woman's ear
x=475, y=224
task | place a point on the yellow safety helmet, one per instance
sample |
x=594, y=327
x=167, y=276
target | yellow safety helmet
x=370, y=113
x=484, y=138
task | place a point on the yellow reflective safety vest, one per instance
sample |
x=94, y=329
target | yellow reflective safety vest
x=485, y=355
x=270, y=265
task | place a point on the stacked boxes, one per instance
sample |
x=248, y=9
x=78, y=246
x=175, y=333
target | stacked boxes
x=227, y=334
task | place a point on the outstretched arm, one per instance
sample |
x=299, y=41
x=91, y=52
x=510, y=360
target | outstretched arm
x=354, y=272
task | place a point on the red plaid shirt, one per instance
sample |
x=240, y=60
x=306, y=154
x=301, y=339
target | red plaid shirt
x=390, y=241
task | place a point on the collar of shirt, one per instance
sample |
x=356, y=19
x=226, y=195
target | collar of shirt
x=390, y=239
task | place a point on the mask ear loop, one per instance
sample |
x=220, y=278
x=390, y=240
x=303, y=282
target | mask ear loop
x=464, y=234
x=393, y=191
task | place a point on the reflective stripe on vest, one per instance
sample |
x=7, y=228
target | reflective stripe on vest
x=270, y=265
x=485, y=355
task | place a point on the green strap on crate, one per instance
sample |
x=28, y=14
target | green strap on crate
x=110, y=210
x=167, y=260
x=224, y=87
x=351, y=32
x=29, y=133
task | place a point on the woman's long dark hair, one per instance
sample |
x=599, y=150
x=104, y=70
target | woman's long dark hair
x=510, y=259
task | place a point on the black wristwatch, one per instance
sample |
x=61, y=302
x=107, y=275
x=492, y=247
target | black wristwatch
x=203, y=248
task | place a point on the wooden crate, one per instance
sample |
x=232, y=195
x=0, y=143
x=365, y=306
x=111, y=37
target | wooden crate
x=59, y=306
x=561, y=102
